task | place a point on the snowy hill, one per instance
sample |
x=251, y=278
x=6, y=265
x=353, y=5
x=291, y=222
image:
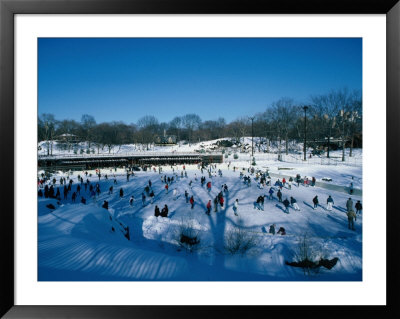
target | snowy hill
x=76, y=242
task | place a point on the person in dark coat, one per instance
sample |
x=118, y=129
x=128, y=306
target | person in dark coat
x=329, y=203
x=73, y=196
x=40, y=193
x=105, y=204
x=78, y=189
x=156, y=211
x=279, y=194
x=110, y=190
x=164, y=211
x=121, y=193
x=358, y=207
x=191, y=202
x=83, y=200
x=272, y=229
x=286, y=203
x=281, y=231
x=58, y=195
x=293, y=202
x=315, y=201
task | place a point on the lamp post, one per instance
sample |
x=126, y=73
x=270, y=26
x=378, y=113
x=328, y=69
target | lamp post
x=343, y=115
x=252, y=134
x=305, y=108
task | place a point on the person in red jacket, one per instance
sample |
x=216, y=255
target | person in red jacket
x=221, y=201
x=166, y=188
x=191, y=201
x=209, y=186
x=208, y=207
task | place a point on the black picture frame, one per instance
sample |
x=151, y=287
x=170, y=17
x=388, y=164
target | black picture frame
x=8, y=8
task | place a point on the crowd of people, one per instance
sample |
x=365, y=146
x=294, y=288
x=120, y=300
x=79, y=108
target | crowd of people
x=48, y=188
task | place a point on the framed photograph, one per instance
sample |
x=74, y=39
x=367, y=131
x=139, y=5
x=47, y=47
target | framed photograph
x=166, y=158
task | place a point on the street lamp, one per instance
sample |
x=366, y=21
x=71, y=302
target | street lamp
x=252, y=134
x=343, y=115
x=305, y=108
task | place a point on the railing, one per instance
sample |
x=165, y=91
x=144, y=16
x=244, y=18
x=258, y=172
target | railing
x=135, y=154
x=299, y=159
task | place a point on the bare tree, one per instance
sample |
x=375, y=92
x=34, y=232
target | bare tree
x=88, y=123
x=49, y=128
x=191, y=122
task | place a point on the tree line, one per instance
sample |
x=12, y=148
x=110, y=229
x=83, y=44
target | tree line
x=337, y=114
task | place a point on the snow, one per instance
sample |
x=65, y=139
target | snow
x=76, y=241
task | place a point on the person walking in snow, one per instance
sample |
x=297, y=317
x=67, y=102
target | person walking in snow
x=121, y=193
x=65, y=192
x=143, y=199
x=271, y=192
x=272, y=229
x=73, y=197
x=105, y=205
x=187, y=196
x=351, y=188
x=156, y=211
x=110, y=190
x=235, y=207
x=166, y=188
x=315, y=201
x=358, y=207
x=286, y=203
x=83, y=200
x=216, y=204
x=151, y=196
x=225, y=188
x=329, y=203
x=208, y=207
x=351, y=216
x=191, y=202
x=131, y=200
x=279, y=194
x=78, y=189
x=349, y=205
x=221, y=201
x=293, y=202
x=58, y=195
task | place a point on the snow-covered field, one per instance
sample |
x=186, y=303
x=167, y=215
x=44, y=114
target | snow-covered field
x=87, y=242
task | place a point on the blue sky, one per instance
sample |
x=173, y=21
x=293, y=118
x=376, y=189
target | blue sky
x=125, y=79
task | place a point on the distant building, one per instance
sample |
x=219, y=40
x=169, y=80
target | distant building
x=67, y=138
x=165, y=139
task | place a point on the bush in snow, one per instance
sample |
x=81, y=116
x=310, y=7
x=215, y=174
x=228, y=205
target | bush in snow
x=81, y=151
x=235, y=156
x=239, y=241
x=187, y=236
x=306, y=255
x=88, y=151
